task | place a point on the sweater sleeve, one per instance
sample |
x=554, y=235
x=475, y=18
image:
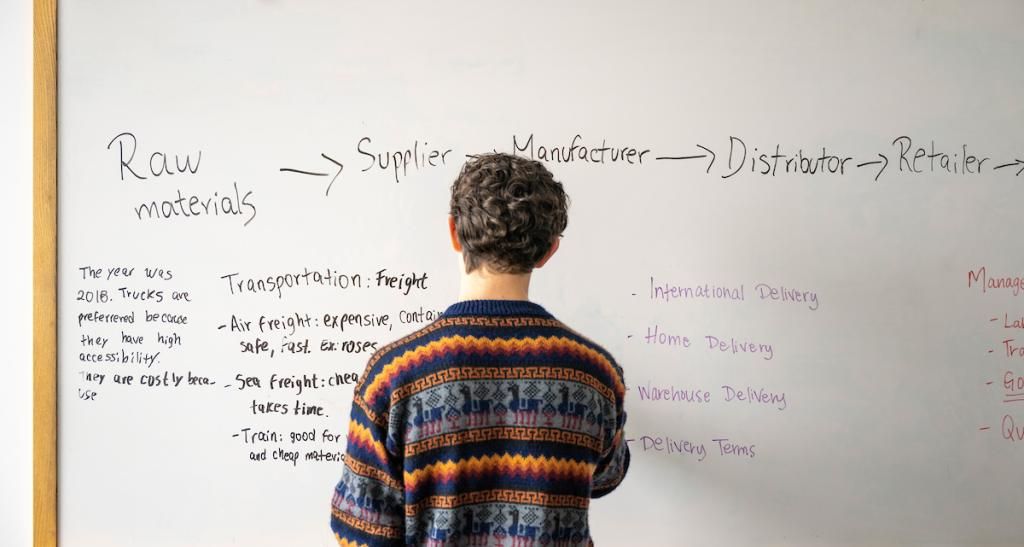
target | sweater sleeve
x=615, y=460
x=367, y=508
x=612, y=467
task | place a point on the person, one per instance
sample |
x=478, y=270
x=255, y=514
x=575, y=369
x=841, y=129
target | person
x=495, y=424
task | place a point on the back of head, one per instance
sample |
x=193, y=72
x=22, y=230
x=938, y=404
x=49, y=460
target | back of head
x=508, y=211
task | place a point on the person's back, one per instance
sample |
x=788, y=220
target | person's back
x=495, y=424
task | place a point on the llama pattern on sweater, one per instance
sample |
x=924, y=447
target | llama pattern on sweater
x=494, y=425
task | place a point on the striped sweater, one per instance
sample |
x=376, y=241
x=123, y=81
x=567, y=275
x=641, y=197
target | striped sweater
x=494, y=425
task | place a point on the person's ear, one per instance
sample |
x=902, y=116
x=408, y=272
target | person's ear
x=454, y=235
x=551, y=251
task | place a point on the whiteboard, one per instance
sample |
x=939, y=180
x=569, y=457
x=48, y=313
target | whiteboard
x=796, y=226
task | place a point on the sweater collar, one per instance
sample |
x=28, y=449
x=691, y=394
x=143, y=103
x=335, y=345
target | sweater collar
x=496, y=307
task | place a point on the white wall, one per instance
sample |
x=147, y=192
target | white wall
x=16, y=272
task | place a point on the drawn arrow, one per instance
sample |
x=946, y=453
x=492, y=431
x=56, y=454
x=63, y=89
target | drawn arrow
x=694, y=157
x=1016, y=162
x=473, y=156
x=317, y=173
x=884, y=162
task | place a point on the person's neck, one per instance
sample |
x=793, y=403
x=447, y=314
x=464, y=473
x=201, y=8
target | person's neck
x=482, y=284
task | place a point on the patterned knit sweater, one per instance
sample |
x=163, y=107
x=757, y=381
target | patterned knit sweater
x=494, y=425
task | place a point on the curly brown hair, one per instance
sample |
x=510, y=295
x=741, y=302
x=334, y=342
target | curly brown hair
x=508, y=210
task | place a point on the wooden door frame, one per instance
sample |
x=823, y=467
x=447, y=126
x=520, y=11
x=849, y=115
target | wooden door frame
x=44, y=273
